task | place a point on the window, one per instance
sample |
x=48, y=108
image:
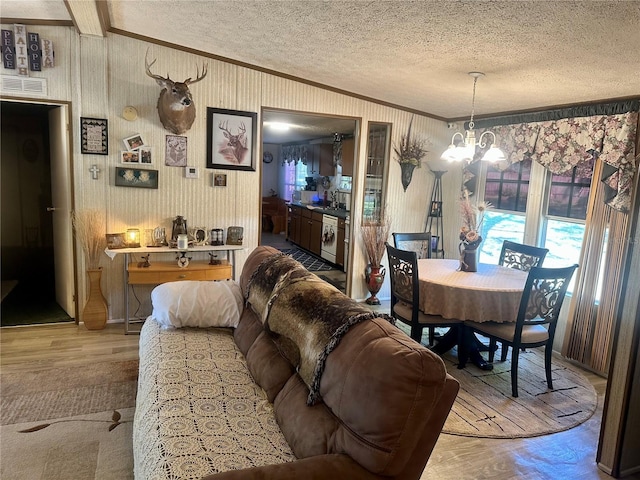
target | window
x=294, y=177
x=569, y=192
x=497, y=227
x=508, y=190
x=555, y=222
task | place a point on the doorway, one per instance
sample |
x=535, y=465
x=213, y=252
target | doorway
x=28, y=263
x=284, y=180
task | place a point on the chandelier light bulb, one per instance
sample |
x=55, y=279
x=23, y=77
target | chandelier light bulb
x=466, y=147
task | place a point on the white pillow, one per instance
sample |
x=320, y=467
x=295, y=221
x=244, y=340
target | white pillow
x=192, y=303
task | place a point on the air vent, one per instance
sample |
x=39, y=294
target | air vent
x=26, y=85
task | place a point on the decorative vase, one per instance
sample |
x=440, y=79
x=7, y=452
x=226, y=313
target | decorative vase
x=468, y=257
x=95, y=310
x=374, y=277
x=407, y=173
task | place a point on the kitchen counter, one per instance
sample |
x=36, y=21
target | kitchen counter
x=339, y=213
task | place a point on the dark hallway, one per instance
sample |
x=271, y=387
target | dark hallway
x=28, y=280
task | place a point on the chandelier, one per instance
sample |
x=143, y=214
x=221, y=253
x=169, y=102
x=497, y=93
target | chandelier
x=466, y=148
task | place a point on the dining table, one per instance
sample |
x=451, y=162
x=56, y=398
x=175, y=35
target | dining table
x=492, y=293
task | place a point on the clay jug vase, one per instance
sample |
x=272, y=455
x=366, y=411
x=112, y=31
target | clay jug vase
x=95, y=311
x=375, y=278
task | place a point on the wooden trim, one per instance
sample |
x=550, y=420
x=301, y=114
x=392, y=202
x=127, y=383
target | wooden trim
x=35, y=21
x=275, y=73
x=103, y=13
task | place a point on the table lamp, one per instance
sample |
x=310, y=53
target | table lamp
x=133, y=237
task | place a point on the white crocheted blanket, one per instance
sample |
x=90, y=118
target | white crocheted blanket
x=198, y=410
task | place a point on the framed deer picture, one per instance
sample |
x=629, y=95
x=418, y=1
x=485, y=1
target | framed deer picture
x=231, y=138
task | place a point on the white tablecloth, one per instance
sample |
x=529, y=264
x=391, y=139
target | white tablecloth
x=491, y=294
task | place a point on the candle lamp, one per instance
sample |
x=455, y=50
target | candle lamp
x=133, y=237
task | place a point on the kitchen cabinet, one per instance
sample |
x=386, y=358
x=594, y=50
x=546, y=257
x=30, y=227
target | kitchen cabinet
x=320, y=160
x=305, y=228
x=348, y=154
x=340, y=245
x=315, y=240
x=294, y=224
x=312, y=160
x=326, y=167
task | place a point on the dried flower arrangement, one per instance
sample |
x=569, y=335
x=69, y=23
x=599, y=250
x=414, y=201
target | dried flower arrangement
x=89, y=229
x=410, y=150
x=472, y=218
x=410, y=153
x=375, y=233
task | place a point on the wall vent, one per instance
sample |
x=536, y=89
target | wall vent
x=26, y=85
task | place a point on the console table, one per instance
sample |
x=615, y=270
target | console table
x=162, y=271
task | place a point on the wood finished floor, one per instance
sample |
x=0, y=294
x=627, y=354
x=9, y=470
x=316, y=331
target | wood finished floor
x=566, y=455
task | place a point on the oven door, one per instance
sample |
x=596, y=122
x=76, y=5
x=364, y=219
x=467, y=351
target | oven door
x=329, y=238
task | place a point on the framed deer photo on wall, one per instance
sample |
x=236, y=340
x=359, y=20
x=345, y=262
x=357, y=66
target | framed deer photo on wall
x=231, y=138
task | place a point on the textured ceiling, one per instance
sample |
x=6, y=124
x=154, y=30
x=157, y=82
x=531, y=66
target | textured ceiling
x=411, y=54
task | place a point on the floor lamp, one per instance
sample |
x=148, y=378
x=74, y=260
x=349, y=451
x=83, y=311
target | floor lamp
x=434, y=218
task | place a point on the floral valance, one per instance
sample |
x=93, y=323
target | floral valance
x=562, y=144
x=296, y=153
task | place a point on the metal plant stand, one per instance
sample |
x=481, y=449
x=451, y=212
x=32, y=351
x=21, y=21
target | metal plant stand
x=434, y=218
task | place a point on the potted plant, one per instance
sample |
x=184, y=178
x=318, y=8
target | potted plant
x=89, y=231
x=375, y=233
x=410, y=153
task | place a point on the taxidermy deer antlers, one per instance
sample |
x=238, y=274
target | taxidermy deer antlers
x=175, y=103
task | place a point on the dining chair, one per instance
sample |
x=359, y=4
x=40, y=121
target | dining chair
x=405, y=295
x=520, y=256
x=535, y=325
x=419, y=242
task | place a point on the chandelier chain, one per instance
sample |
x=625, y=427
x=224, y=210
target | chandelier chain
x=473, y=103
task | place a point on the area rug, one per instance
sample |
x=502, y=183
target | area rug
x=485, y=408
x=67, y=391
x=308, y=261
x=68, y=422
x=83, y=447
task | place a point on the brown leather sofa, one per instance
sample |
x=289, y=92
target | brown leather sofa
x=384, y=401
x=370, y=405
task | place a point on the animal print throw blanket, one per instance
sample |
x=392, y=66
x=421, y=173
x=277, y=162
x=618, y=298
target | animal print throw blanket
x=306, y=316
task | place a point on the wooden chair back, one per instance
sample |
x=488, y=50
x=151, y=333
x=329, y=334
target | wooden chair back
x=419, y=242
x=520, y=256
x=403, y=268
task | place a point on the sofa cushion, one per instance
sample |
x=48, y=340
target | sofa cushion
x=247, y=330
x=197, y=304
x=381, y=430
x=267, y=366
x=309, y=430
x=378, y=391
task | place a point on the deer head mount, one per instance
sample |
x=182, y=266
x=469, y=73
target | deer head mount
x=175, y=103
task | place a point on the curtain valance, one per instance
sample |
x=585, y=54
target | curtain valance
x=565, y=143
